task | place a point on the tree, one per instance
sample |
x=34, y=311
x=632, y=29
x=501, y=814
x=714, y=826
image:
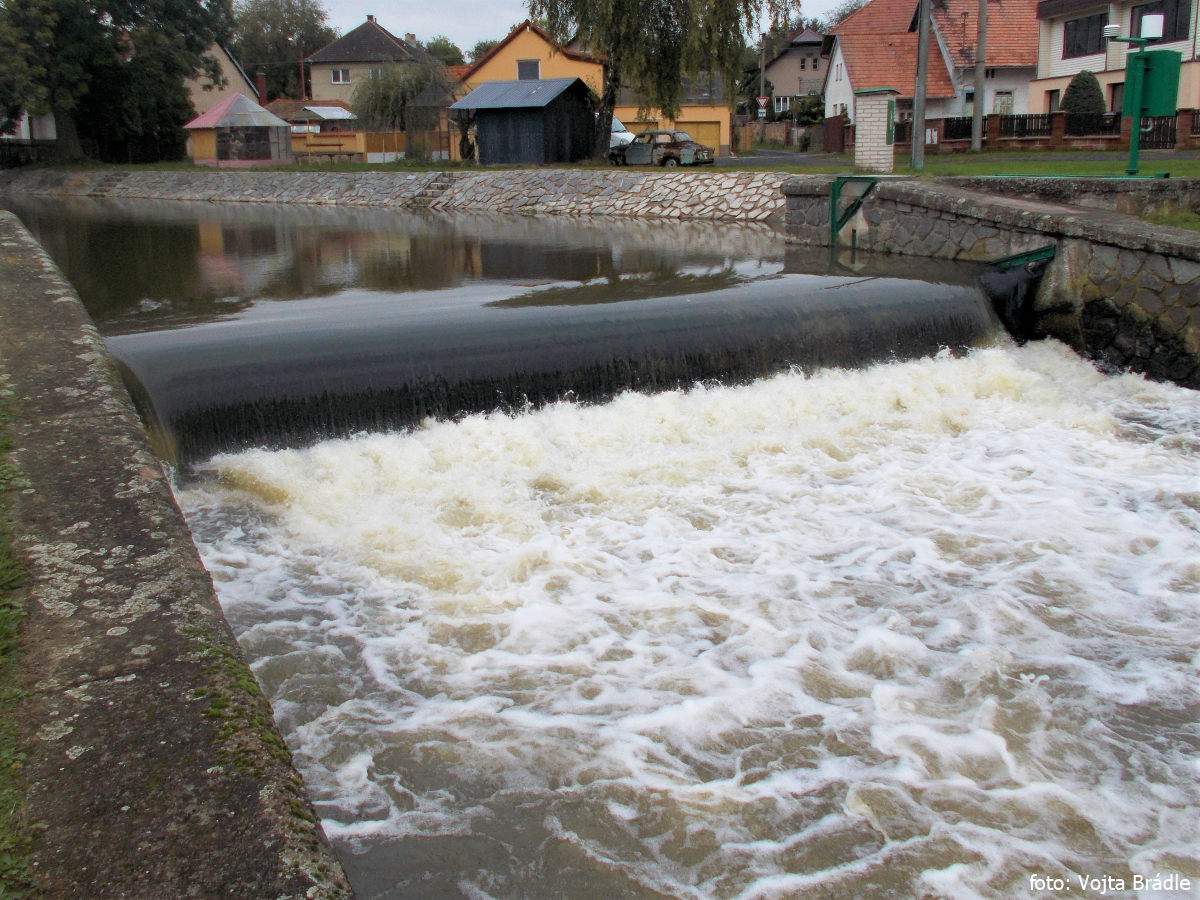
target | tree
x=481, y=49
x=113, y=64
x=654, y=44
x=271, y=35
x=19, y=73
x=1084, y=95
x=838, y=14
x=404, y=97
x=442, y=48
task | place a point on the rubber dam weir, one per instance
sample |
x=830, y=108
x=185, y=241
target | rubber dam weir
x=636, y=559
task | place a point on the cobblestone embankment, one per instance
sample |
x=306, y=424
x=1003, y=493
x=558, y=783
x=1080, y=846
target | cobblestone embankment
x=687, y=194
x=152, y=766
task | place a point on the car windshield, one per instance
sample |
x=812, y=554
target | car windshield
x=682, y=136
x=617, y=125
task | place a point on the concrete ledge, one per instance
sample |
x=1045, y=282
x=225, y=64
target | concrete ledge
x=153, y=765
x=1120, y=291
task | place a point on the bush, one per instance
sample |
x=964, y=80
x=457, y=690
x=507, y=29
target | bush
x=1084, y=95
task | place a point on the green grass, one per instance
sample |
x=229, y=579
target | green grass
x=15, y=837
x=1183, y=218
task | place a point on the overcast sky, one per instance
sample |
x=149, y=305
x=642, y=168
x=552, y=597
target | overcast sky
x=463, y=21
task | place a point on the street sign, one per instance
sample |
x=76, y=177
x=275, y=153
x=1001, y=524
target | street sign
x=762, y=103
x=762, y=113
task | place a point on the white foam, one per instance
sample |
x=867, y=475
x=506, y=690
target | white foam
x=930, y=626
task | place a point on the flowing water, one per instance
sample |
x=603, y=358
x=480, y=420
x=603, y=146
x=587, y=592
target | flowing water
x=924, y=629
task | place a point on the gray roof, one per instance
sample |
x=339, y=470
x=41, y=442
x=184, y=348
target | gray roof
x=530, y=93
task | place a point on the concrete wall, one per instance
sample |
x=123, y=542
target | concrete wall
x=1119, y=291
x=152, y=765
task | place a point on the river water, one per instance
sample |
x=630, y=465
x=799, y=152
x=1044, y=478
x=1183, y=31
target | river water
x=924, y=629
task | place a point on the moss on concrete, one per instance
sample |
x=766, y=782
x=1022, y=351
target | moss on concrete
x=15, y=833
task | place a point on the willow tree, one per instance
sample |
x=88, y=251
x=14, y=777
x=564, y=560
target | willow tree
x=403, y=97
x=653, y=46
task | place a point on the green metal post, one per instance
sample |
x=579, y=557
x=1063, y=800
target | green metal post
x=1135, y=134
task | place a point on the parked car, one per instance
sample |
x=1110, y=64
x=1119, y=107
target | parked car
x=620, y=135
x=662, y=148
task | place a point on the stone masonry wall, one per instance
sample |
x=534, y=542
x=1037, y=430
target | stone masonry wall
x=687, y=194
x=1120, y=291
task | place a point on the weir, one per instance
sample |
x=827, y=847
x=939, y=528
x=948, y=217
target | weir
x=924, y=628
x=333, y=369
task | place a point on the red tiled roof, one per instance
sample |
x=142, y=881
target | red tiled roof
x=454, y=74
x=880, y=17
x=875, y=61
x=1012, y=31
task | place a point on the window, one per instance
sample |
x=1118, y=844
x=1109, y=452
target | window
x=529, y=69
x=341, y=76
x=816, y=64
x=804, y=62
x=1116, y=96
x=838, y=74
x=1083, y=37
x=783, y=104
x=1177, y=17
x=1003, y=103
x=1053, y=101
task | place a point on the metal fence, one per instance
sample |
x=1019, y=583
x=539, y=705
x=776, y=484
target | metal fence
x=1034, y=125
x=1158, y=132
x=958, y=128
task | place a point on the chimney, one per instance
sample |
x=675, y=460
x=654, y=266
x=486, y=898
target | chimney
x=260, y=85
x=410, y=38
x=370, y=18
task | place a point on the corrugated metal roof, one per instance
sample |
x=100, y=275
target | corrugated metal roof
x=526, y=94
x=330, y=112
x=238, y=111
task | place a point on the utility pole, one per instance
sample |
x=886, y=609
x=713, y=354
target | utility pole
x=300, y=53
x=980, y=74
x=762, y=84
x=918, y=125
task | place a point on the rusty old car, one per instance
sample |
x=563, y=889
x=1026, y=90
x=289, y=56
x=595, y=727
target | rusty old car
x=662, y=148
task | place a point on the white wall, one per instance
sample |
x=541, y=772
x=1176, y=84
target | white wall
x=838, y=89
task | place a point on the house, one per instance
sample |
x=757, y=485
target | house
x=876, y=48
x=204, y=94
x=797, y=71
x=238, y=133
x=531, y=121
x=1071, y=39
x=337, y=67
x=528, y=52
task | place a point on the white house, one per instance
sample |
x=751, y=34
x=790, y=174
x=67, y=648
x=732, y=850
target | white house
x=876, y=48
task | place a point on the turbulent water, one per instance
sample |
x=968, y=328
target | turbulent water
x=926, y=629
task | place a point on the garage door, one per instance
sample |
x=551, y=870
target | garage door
x=703, y=132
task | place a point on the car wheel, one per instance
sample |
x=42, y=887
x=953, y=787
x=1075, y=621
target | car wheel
x=670, y=162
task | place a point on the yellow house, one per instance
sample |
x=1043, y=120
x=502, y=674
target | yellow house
x=528, y=52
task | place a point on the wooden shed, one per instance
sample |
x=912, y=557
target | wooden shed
x=536, y=121
x=239, y=133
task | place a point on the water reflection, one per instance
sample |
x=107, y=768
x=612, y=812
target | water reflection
x=155, y=265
